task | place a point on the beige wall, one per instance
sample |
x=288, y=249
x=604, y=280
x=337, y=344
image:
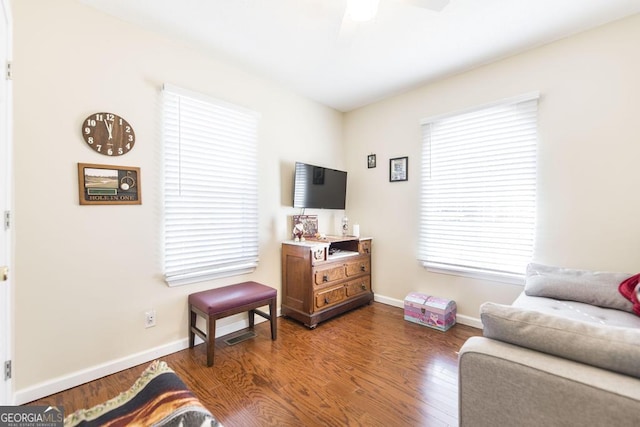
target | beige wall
x=85, y=275
x=589, y=151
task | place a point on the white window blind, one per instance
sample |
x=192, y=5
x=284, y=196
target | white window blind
x=210, y=188
x=478, y=190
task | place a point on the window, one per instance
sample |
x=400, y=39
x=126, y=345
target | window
x=210, y=188
x=478, y=190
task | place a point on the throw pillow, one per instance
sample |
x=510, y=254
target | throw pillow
x=598, y=288
x=609, y=347
x=158, y=397
x=629, y=289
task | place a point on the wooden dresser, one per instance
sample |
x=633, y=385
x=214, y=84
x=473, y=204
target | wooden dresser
x=325, y=277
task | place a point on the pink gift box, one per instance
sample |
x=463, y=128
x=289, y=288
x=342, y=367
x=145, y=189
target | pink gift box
x=427, y=310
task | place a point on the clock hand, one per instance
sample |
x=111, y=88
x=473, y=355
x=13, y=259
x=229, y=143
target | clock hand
x=109, y=128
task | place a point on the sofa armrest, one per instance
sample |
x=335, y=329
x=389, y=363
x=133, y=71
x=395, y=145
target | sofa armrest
x=503, y=384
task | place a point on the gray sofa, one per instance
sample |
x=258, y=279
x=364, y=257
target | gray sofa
x=565, y=353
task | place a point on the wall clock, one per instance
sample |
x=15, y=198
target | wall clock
x=108, y=134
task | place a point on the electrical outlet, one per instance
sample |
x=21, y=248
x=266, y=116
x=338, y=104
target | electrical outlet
x=150, y=318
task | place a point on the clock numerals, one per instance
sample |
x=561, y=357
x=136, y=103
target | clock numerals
x=116, y=136
x=101, y=117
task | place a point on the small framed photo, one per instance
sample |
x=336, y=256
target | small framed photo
x=108, y=185
x=371, y=161
x=309, y=224
x=399, y=169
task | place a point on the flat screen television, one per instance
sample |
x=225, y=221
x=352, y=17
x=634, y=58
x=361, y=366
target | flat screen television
x=319, y=187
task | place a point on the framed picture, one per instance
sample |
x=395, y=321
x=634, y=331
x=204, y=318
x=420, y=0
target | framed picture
x=399, y=169
x=371, y=161
x=309, y=222
x=108, y=185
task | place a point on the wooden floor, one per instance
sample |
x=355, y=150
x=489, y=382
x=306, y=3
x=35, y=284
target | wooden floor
x=368, y=367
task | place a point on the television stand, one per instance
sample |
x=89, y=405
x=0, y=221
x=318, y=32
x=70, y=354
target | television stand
x=322, y=278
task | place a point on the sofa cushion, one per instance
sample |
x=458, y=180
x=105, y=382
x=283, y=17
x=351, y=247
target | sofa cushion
x=591, y=287
x=614, y=348
x=578, y=311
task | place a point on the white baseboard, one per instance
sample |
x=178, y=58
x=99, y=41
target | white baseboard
x=75, y=379
x=469, y=321
x=388, y=301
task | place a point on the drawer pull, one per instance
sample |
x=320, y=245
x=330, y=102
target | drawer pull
x=363, y=267
x=326, y=300
x=363, y=286
x=325, y=277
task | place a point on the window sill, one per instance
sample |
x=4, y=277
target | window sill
x=188, y=279
x=494, y=276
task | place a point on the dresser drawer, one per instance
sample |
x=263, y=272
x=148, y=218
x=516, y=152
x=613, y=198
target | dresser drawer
x=328, y=275
x=364, y=247
x=328, y=297
x=361, y=266
x=358, y=286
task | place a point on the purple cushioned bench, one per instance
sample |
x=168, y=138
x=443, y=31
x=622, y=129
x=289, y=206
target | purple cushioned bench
x=226, y=301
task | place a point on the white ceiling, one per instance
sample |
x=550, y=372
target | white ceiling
x=304, y=45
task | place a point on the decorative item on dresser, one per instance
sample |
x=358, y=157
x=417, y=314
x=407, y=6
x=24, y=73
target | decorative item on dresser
x=309, y=224
x=322, y=278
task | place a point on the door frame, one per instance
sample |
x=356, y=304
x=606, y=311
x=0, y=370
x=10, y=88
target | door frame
x=6, y=199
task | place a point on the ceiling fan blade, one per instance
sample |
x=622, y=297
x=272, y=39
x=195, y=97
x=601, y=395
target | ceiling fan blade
x=435, y=5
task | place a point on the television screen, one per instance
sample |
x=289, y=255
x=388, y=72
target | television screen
x=318, y=187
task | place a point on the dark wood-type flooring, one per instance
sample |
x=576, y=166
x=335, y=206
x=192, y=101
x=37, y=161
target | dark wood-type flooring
x=368, y=367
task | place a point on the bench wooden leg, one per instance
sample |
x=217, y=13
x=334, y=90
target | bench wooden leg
x=273, y=319
x=252, y=318
x=211, y=339
x=192, y=324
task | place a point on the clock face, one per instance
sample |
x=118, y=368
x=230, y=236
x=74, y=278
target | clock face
x=108, y=134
